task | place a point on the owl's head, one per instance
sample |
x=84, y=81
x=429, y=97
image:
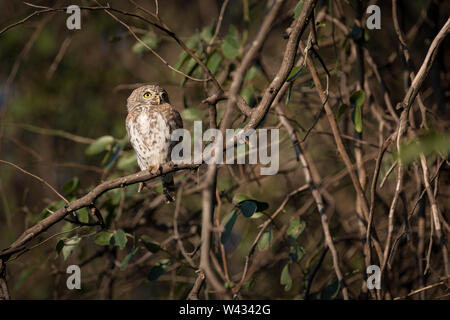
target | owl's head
x=149, y=95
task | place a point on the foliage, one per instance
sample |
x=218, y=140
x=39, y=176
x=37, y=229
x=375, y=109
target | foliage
x=62, y=113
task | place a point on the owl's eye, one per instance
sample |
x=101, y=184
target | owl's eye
x=147, y=95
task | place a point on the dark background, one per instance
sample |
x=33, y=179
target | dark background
x=52, y=108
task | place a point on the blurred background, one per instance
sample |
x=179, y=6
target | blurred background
x=61, y=90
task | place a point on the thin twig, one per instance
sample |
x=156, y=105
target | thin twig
x=36, y=177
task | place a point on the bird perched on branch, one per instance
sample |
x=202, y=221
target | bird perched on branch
x=150, y=122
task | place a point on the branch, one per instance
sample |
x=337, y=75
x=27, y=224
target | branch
x=193, y=294
x=260, y=233
x=426, y=66
x=4, y=293
x=208, y=196
x=163, y=27
x=275, y=87
x=317, y=195
x=340, y=145
x=130, y=30
x=249, y=57
x=218, y=25
x=403, y=123
x=88, y=200
x=36, y=177
x=288, y=62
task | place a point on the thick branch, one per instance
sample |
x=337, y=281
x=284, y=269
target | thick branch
x=90, y=198
x=249, y=57
x=288, y=62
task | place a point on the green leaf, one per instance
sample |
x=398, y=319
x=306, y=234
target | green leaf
x=191, y=43
x=331, y=291
x=191, y=114
x=83, y=215
x=248, y=94
x=65, y=231
x=295, y=228
x=158, y=269
x=285, y=278
x=295, y=72
x=69, y=246
x=189, y=70
x=298, y=9
x=114, y=196
x=181, y=60
x=192, y=64
x=39, y=217
x=207, y=33
x=357, y=119
x=228, y=223
x=288, y=95
x=257, y=215
x=341, y=111
x=59, y=246
x=313, y=259
x=357, y=32
x=99, y=145
x=151, y=39
x=366, y=35
x=213, y=62
x=230, y=45
x=428, y=143
x=127, y=162
x=128, y=257
x=249, y=283
x=248, y=207
x=22, y=277
x=45, y=212
x=240, y=197
x=103, y=238
x=151, y=246
x=296, y=253
x=265, y=239
x=111, y=156
x=357, y=98
x=119, y=239
x=70, y=185
x=238, y=200
x=251, y=73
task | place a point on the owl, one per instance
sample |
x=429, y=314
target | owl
x=150, y=122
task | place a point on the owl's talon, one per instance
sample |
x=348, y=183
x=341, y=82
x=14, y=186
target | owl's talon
x=153, y=166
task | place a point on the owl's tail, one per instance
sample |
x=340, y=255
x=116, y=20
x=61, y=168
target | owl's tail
x=168, y=187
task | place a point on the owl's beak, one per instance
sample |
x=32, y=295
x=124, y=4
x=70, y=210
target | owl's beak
x=158, y=98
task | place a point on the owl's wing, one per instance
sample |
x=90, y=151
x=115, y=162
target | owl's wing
x=128, y=123
x=177, y=118
x=172, y=116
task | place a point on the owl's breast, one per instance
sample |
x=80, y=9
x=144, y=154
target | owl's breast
x=149, y=133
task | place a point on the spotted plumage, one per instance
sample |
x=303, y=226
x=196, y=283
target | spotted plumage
x=150, y=122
